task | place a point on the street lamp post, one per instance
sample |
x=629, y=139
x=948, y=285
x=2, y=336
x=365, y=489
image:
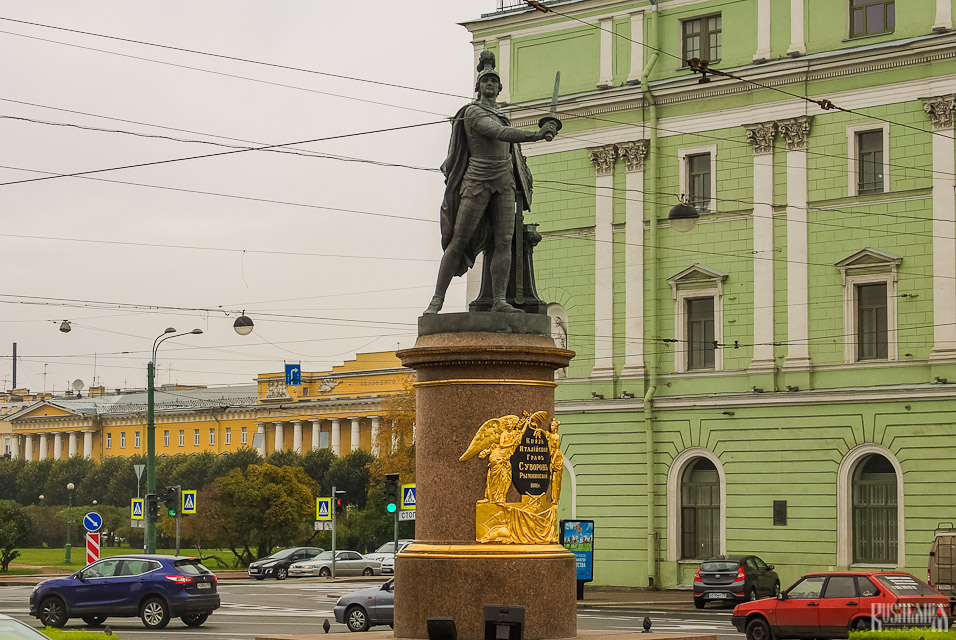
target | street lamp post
x=69, y=511
x=151, y=431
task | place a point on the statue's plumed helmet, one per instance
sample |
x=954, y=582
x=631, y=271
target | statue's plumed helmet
x=486, y=67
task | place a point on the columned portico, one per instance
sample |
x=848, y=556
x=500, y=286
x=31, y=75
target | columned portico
x=15, y=446
x=261, y=430
x=279, y=436
x=87, y=444
x=354, y=436
x=376, y=427
x=28, y=447
x=71, y=448
x=297, y=436
x=337, y=436
x=57, y=445
x=42, y=454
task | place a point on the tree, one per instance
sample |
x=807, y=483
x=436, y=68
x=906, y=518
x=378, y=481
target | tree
x=352, y=474
x=265, y=507
x=317, y=463
x=10, y=470
x=32, y=481
x=287, y=458
x=396, y=441
x=16, y=530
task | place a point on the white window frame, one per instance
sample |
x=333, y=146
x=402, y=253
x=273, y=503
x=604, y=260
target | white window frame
x=888, y=274
x=136, y=440
x=853, y=187
x=682, y=155
x=212, y=437
x=228, y=435
x=166, y=437
x=674, y=475
x=711, y=285
x=244, y=436
x=845, y=503
x=122, y=439
x=195, y=437
x=182, y=437
x=109, y=440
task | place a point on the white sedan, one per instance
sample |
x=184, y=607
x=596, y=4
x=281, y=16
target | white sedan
x=347, y=563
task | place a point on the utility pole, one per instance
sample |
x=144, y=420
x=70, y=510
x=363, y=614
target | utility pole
x=335, y=509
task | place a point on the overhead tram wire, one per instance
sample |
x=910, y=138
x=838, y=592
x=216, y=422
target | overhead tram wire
x=224, y=153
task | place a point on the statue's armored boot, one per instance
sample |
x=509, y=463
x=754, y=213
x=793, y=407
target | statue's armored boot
x=501, y=306
x=434, y=306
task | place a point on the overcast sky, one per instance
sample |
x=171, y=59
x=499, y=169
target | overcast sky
x=329, y=257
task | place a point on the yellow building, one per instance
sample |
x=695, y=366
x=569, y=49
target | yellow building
x=337, y=409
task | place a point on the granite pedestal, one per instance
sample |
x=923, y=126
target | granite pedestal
x=473, y=367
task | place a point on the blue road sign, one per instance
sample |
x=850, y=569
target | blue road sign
x=136, y=509
x=189, y=501
x=293, y=375
x=323, y=509
x=409, y=496
x=92, y=521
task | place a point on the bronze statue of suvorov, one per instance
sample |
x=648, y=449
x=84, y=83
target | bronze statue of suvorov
x=484, y=172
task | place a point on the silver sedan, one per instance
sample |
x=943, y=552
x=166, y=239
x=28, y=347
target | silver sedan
x=347, y=563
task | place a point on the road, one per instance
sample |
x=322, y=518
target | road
x=300, y=606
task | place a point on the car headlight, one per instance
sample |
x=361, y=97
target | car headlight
x=35, y=587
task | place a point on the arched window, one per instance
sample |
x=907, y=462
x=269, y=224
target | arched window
x=700, y=510
x=870, y=508
x=875, y=526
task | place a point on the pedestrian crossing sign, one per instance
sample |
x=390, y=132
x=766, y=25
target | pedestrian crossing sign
x=409, y=499
x=136, y=509
x=323, y=508
x=189, y=501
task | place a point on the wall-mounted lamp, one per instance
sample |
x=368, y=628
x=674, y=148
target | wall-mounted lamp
x=938, y=380
x=756, y=390
x=683, y=217
x=599, y=396
x=627, y=394
x=65, y=326
x=792, y=388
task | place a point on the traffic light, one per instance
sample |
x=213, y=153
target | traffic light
x=171, y=498
x=391, y=492
x=338, y=504
x=152, y=506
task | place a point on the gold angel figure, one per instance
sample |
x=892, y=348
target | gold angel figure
x=496, y=441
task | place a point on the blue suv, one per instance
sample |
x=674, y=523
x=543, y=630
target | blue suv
x=152, y=587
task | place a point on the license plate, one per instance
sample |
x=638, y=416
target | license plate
x=204, y=585
x=944, y=586
x=718, y=595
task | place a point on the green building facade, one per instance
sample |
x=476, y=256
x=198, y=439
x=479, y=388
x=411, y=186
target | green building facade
x=781, y=378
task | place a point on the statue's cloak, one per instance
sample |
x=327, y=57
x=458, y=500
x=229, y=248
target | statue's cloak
x=454, y=168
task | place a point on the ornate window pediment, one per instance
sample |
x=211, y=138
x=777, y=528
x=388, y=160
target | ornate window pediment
x=698, y=318
x=696, y=275
x=870, y=305
x=868, y=259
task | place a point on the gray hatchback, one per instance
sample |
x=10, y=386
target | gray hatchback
x=734, y=579
x=362, y=609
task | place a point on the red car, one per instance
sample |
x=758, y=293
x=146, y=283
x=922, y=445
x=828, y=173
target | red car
x=830, y=604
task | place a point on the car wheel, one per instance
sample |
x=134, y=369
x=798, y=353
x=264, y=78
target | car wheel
x=753, y=593
x=282, y=573
x=94, y=621
x=155, y=613
x=324, y=572
x=260, y=577
x=53, y=612
x=860, y=624
x=758, y=629
x=194, y=619
x=368, y=571
x=699, y=604
x=356, y=619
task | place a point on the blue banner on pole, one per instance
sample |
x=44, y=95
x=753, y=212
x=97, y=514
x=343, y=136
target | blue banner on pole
x=293, y=375
x=577, y=536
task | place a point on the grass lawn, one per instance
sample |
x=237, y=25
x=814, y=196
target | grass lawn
x=55, y=557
